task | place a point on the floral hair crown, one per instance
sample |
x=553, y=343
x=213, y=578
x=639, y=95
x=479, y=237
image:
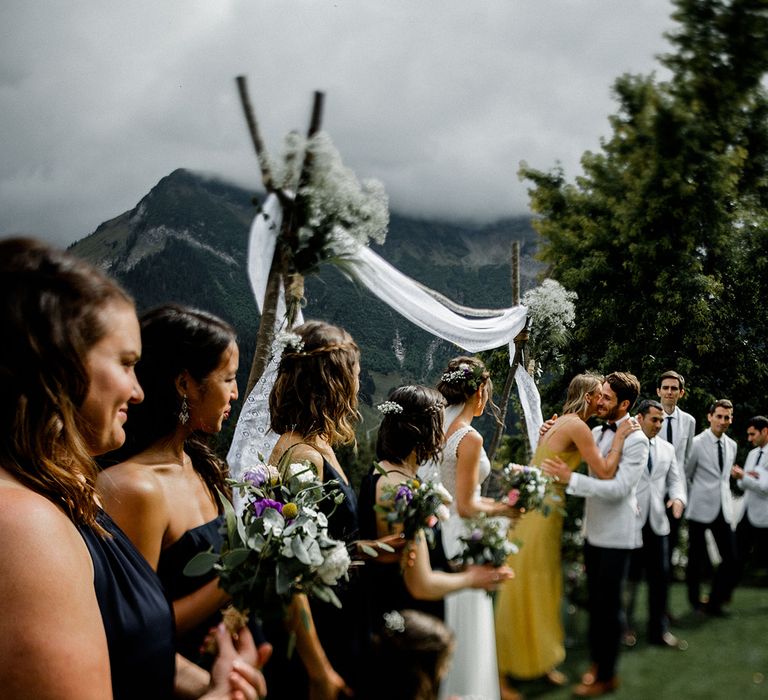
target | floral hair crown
x=394, y=621
x=471, y=375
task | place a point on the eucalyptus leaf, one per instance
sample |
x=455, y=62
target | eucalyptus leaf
x=201, y=563
x=370, y=551
x=300, y=551
x=234, y=557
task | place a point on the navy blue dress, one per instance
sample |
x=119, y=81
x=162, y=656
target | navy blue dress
x=137, y=617
x=384, y=583
x=341, y=632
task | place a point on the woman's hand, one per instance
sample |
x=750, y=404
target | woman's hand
x=558, y=470
x=626, y=428
x=235, y=674
x=488, y=577
x=547, y=425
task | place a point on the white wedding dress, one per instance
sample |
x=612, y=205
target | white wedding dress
x=469, y=613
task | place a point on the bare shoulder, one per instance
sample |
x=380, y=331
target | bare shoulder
x=298, y=451
x=29, y=519
x=48, y=582
x=131, y=480
x=471, y=440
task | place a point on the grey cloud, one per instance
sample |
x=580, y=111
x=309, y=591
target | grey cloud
x=440, y=99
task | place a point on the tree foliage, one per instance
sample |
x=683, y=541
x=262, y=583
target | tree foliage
x=663, y=234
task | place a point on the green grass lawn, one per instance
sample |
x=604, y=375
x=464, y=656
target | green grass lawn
x=726, y=658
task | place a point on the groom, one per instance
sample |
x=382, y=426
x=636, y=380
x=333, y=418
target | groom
x=611, y=515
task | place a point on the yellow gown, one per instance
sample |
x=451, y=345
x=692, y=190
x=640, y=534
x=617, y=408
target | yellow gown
x=529, y=624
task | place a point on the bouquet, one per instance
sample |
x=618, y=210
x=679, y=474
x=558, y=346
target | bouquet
x=526, y=488
x=416, y=505
x=278, y=544
x=485, y=541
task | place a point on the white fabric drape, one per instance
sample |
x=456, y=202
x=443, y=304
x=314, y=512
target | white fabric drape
x=530, y=400
x=471, y=331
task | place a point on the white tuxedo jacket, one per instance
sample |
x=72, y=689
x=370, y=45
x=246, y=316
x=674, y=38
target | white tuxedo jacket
x=756, y=489
x=665, y=477
x=611, y=514
x=708, y=489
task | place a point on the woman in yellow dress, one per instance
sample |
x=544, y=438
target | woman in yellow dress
x=529, y=626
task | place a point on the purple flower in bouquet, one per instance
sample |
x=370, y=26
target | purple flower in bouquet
x=261, y=504
x=258, y=475
x=403, y=492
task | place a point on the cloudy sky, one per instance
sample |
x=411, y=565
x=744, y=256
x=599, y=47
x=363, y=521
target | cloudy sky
x=439, y=99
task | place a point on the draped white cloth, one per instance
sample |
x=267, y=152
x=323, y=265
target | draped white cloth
x=471, y=330
x=530, y=400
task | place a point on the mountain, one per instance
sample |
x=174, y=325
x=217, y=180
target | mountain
x=186, y=241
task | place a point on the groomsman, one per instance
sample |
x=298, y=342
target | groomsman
x=710, y=507
x=612, y=531
x=752, y=531
x=679, y=428
x=660, y=478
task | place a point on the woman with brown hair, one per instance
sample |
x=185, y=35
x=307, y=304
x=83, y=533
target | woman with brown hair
x=92, y=622
x=529, y=628
x=313, y=408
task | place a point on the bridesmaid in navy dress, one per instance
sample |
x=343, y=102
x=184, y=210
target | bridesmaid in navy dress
x=313, y=407
x=164, y=491
x=91, y=621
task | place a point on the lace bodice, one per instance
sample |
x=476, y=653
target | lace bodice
x=447, y=466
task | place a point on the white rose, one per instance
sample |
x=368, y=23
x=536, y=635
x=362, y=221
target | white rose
x=334, y=565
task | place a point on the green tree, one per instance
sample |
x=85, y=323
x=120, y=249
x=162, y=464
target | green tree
x=661, y=237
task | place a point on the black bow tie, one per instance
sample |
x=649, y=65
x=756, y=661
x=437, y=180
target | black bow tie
x=609, y=426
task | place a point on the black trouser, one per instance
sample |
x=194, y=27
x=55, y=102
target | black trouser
x=652, y=560
x=723, y=577
x=672, y=540
x=606, y=572
x=749, y=539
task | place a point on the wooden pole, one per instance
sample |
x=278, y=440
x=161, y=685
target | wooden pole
x=253, y=129
x=293, y=219
x=519, y=356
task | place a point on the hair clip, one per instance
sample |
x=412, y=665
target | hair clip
x=290, y=340
x=389, y=407
x=394, y=621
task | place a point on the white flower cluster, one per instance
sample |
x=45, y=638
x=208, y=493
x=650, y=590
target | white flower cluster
x=550, y=305
x=286, y=339
x=300, y=471
x=394, y=621
x=349, y=213
x=552, y=313
x=389, y=407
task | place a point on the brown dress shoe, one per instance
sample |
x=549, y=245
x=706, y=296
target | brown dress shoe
x=556, y=678
x=596, y=689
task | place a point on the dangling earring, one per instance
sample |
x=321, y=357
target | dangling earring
x=184, y=412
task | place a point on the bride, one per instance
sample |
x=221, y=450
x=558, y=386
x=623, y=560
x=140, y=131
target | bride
x=466, y=386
